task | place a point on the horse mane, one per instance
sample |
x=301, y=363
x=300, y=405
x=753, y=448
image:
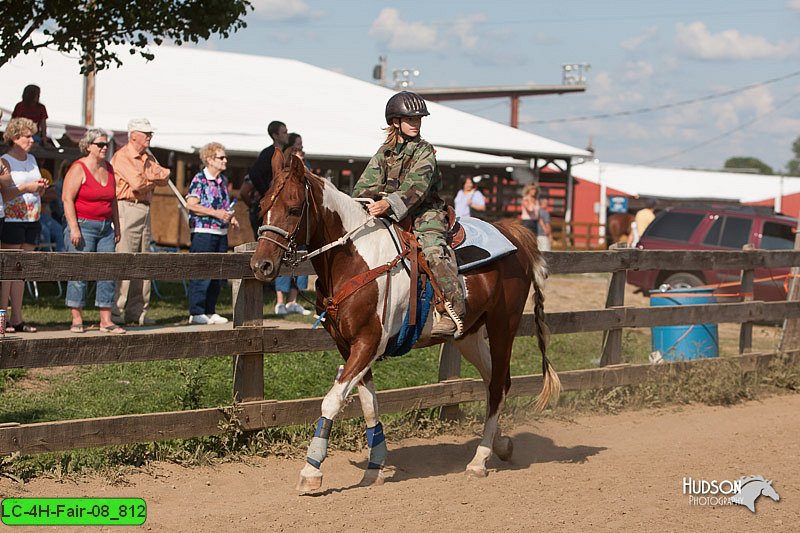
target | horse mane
x=749, y=479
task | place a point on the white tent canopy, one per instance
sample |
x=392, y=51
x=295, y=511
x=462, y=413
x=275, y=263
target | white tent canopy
x=193, y=96
x=676, y=183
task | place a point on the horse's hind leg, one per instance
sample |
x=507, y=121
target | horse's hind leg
x=375, y=439
x=475, y=349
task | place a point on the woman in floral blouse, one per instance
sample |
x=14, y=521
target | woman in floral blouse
x=211, y=213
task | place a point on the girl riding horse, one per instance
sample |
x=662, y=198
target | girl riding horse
x=404, y=180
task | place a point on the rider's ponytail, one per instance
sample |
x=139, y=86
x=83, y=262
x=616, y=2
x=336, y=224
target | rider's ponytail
x=392, y=136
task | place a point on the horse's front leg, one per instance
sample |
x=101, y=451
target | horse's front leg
x=375, y=439
x=355, y=368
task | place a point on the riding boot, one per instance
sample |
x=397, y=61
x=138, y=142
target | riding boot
x=445, y=270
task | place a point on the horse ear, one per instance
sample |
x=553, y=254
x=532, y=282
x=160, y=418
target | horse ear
x=296, y=167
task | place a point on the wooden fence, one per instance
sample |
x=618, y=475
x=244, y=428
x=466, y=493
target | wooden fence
x=249, y=340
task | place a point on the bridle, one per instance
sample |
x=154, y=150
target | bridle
x=290, y=252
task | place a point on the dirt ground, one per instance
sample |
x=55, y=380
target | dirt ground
x=616, y=472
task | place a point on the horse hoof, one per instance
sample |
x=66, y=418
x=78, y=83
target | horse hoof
x=308, y=484
x=504, y=448
x=372, y=478
x=477, y=472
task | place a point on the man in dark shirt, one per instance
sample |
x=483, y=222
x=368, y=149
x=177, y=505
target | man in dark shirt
x=261, y=171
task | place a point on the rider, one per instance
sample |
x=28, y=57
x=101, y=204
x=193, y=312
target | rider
x=404, y=179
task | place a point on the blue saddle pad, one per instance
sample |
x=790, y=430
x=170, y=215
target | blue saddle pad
x=483, y=244
x=408, y=335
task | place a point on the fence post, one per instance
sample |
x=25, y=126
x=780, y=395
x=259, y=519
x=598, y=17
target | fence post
x=449, y=368
x=746, y=330
x=612, y=338
x=248, y=310
x=790, y=335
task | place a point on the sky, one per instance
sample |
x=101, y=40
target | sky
x=642, y=55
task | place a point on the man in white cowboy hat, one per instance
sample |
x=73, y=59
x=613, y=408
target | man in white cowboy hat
x=137, y=174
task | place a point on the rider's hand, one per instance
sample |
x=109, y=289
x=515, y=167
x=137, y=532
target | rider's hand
x=379, y=208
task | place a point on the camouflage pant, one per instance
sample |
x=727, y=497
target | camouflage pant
x=430, y=228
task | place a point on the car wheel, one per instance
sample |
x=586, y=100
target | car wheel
x=683, y=280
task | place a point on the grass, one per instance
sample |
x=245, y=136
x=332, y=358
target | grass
x=104, y=390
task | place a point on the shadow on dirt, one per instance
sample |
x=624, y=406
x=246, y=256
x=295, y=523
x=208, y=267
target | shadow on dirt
x=429, y=460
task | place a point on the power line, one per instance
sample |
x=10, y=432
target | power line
x=663, y=106
x=722, y=135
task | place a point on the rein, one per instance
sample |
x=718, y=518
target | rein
x=331, y=304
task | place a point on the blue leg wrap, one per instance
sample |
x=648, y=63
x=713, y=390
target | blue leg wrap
x=318, y=449
x=377, y=446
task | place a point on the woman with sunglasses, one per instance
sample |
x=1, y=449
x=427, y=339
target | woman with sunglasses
x=90, y=208
x=211, y=214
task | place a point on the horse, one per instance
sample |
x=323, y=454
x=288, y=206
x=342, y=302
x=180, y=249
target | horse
x=752, y=488
x=344, y=241
x=619, y=225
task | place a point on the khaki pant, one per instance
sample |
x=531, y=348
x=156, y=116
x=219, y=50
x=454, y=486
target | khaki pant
x=133, y=296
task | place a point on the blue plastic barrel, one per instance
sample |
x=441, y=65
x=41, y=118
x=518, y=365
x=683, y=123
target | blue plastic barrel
x=680, y=343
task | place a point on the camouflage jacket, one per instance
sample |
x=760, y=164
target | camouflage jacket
x=407, y=177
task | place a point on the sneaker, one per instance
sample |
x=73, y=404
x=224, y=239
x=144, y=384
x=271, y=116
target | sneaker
x=295, y=307
x=199, y=319
x=217, y=319
x=280, y=309
x=146, y=321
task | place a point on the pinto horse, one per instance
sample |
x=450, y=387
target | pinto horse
x=343, y=240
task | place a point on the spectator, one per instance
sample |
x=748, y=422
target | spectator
x=259, y=179
x=641, y=220
x=211, y=212
x=287, y=288
x=21, y=227
x=261, y=171
x=137, y=174
x=90, y=208
x=544, y=237
x=469, y=198
x=52, y=238
x=530, y=208
x=30, y=108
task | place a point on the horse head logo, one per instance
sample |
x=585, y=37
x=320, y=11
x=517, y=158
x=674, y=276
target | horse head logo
x=752, y=488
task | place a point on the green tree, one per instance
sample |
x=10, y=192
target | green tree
x=749, y=163
x=793, y=166
x=90, y=27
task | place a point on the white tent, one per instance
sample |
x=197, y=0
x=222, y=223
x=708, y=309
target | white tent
x=677, y=183
x=193, y=96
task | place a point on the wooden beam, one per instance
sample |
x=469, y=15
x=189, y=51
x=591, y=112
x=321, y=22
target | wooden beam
x=68, y=350
x=248, y=367
x=62, y=266
x=107, y=431
x=612, y=338
x=746, y=329
x=790, y=334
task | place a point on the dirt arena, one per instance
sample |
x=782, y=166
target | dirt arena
x=611, y=472
x=621, y=472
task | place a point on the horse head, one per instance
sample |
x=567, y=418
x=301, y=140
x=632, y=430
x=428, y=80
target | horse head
x=283, y=215
x=769, y=491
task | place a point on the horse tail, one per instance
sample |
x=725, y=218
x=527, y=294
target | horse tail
x=536, y=268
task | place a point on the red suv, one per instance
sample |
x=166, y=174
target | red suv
x=688, y=228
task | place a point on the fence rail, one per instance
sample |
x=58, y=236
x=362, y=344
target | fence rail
x=250, y=339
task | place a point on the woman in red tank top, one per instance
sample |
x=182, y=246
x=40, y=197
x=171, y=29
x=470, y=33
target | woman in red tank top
x=90, y=207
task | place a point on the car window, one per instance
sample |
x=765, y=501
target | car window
x=712, y=237
x=735, y=232
x=674, y=226
x=776, y=236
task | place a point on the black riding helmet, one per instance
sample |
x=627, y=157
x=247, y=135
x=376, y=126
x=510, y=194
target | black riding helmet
x=405, y=104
